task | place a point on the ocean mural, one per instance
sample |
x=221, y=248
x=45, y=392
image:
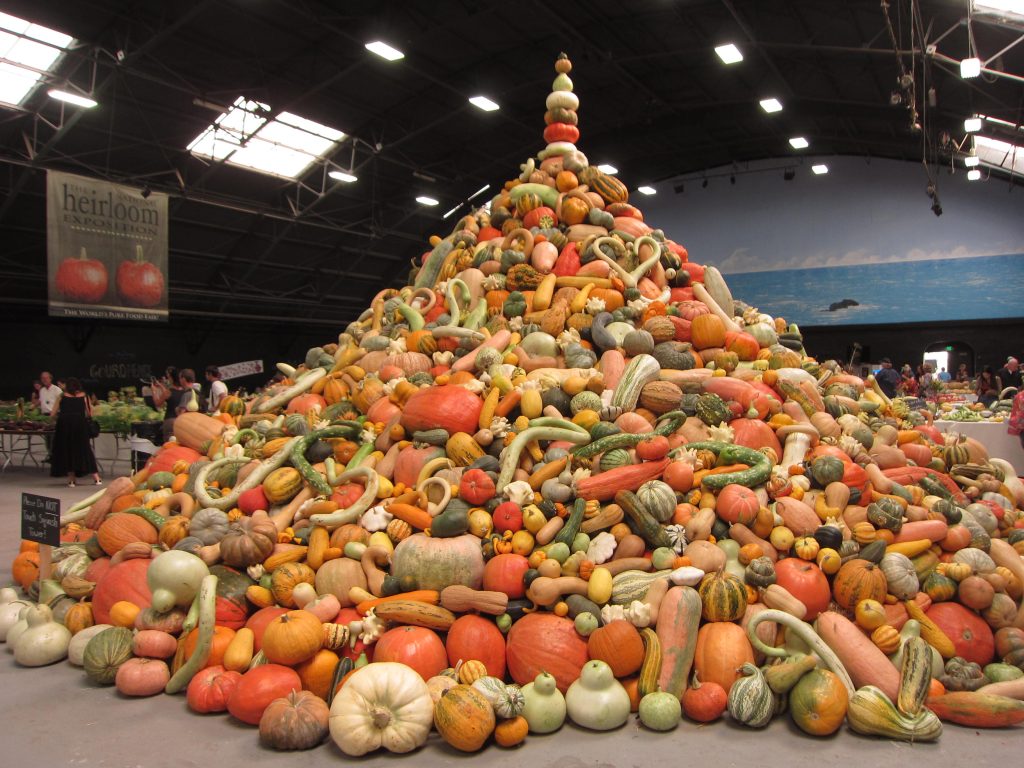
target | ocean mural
x=857, y=246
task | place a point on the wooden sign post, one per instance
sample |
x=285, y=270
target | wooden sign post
x=40, y=522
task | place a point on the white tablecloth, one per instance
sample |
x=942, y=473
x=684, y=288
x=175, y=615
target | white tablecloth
x=993, y=436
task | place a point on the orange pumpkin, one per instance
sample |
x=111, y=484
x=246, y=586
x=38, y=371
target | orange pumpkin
x=574, y=211
x=474, y=637
x=707, y=331
x=722, y=648
x=416, y=647
x=858, y=580
x=318, y=672
x=464, y=718
x=566, y=181
x=121, y=529
x=737, y=504
x=509, y=733
x=25, y=568
x=292, y=638
x=222, y=637
x=818, y=702
x=543, y=642
x=619, y=645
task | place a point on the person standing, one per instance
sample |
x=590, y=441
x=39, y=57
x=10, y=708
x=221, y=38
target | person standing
x=944, y=376
x=962, y=375
x=72, y=454
x=168, y=394
x=1009, y=375
x=1015, y=424
x=218, y=389
x=887, y=377
x=908, y=384
x=985, y=389
x=926, y=383
x=48, y=393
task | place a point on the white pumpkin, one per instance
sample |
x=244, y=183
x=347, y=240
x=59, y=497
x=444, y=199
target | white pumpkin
x=19, y=627
x=44, y=642
x=10, y=610
x=384, y=704
x=597, y=700
x=76, y=648
x=900, y=575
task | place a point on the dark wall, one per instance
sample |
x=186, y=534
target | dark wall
x=110, y=355
x=991, y=341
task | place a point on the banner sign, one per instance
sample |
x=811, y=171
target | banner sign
x=238, y=370
x=106, y=247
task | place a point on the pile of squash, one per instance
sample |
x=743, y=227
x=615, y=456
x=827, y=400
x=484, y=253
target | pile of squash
x=562, y=474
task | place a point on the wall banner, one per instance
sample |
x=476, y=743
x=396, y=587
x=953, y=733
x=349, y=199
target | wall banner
x=106, y=249
x=238, y=370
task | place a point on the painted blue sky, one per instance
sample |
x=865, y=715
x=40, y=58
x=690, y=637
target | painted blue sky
x=860, y=213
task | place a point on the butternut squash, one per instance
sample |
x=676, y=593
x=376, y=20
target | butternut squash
x=416, y=613
x=461, y=599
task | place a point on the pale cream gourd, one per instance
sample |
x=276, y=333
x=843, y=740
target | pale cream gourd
x=76, y=648
x=597, y=700
x=10, y=611
x=384, y=704
x=544, y=707
x=44, y=641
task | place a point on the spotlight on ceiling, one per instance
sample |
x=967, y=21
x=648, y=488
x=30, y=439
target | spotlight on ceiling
x=972, y=160
x=72, y=98
x=424, y=200
x=974, y=174
x=789, y=174
x=972, y=124
x=771, y=105
x=729, y=53
x=348, y=178
x=820, y=169
x=384, y=50
x=970, y=67
x=482, y=102
x=799, y=142
x=652, y=191
x=607, y=168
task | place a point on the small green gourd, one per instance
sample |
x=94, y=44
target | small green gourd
x=544, y=705
x=750, y=699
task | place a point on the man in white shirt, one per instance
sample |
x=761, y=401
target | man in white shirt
x=48, y=393
x=218, y=389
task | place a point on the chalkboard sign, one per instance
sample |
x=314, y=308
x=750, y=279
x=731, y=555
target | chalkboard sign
x=40, y=519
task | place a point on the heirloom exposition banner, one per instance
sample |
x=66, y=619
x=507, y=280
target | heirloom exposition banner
x=106, y=249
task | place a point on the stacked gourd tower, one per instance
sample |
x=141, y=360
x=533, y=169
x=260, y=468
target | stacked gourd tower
x=564, y=473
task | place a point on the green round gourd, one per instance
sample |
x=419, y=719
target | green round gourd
x=660, y=711
x=1002, y=673
x=105, y=653
x=827, y=469
x=617, y=457
x=638, y=342
x=585, y=623
x=160, y=480
x=658, y=499
x=674, y=355
x=585, y=401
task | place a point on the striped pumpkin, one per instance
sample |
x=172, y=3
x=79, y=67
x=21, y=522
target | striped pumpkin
x=608, y=187
x=723, y=597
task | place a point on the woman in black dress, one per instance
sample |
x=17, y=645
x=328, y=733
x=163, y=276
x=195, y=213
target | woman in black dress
x=72, y=454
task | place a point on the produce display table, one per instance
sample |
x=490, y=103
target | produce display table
x=21, y=442
x=993, y=436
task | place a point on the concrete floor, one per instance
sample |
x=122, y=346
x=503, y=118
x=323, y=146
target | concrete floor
x=54, y=717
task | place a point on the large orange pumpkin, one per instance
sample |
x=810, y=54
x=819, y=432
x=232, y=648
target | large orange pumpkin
x=971, y=636
x=806, y=582
x=121, y=529
x=292, y=638
x=124, y=581
x=474, y=637
x=454, y=409
x=737, y=504
x=317, y=673
x=707, y=331
x=543, y=642
x=169, y=455
x=416, y=647
x=304, y=403
x=858, y=580
x=619, y=645
x=504, y=573
x=259, y=621
x=464, y=718
x=722, y=648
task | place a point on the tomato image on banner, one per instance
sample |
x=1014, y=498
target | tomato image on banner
x=106, y=249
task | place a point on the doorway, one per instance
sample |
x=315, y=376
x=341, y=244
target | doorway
x=950, y=355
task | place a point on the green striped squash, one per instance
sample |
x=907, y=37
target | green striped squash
x=750, y=699
x=723, y=597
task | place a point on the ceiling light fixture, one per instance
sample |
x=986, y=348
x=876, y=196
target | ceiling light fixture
x=453, y=210
x=384, y=50
x=71, y=98
x=482, y=102
x=820, y=169
x=974, y=174
x=647, y=190
x=479, y=192
x=972, y=124
x=970, y=67
x=799, y=142
x=607, y=168
x=972, y=160
x=424, y=200
x=771, y=105
x=729, y=53
x=348, y=178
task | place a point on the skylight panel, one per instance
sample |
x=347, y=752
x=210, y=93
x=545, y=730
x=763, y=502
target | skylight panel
x=30, y=51
x=283, y=146
x=1000, y=154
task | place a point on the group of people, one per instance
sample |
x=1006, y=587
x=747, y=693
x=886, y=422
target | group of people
x=70, y=450
x=175, y=390
x=925, y=382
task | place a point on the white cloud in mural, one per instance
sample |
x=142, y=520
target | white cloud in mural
x=745, y=260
